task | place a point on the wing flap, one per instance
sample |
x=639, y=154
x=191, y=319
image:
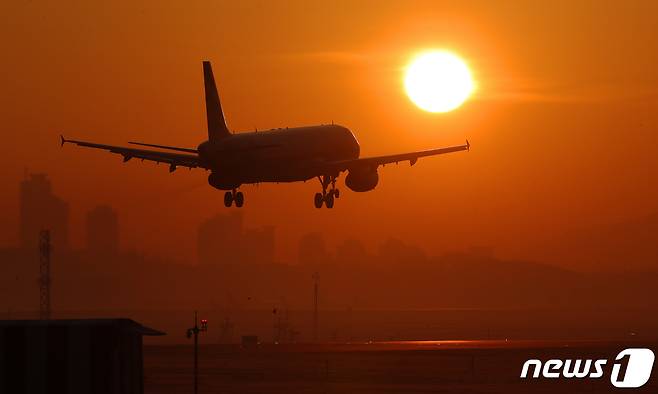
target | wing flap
x=169, y=147
x=411, y=157
x=173, y=159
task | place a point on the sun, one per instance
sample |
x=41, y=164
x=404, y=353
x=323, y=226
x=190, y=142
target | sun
x=438, y=81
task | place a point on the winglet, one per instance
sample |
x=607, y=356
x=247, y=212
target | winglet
x=62, y=140
x=468, y=145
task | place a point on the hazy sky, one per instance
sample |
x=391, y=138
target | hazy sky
x=563, y=125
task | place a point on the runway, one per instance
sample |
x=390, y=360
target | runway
x=475, y=366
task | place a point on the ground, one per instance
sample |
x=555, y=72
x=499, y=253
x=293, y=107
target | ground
x=382, y=367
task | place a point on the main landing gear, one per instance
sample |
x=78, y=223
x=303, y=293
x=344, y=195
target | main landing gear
x=326, y=197
x=233, y=196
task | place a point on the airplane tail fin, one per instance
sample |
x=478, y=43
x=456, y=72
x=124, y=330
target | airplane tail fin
x=217, y=128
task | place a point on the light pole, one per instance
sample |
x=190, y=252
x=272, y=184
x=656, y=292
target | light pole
x=194, y=331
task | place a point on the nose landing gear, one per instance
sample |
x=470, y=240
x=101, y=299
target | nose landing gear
x=326, y=197
x=234, y=196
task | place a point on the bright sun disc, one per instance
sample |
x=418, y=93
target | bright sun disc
x=438, y=81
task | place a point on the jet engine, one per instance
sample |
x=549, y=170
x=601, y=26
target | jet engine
x=362, y=179
x=222, y=182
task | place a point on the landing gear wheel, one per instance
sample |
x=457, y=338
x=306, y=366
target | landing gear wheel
x=228, y=199
x=336, y=193
x=319, y=199
x=329, y=200
x=239, y=199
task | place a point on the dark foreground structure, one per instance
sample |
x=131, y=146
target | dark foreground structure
x=72, y=356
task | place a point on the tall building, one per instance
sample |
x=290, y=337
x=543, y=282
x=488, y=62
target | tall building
x=351, y=251
x=312, y=249
x=40, y=209
x=222, y=239
x=259, y=245
x=219, y=238
x=102, y=226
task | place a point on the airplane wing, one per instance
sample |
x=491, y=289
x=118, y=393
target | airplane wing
x=412, y=157
x=173, y=159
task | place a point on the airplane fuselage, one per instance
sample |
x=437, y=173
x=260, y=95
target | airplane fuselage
x=278, y=155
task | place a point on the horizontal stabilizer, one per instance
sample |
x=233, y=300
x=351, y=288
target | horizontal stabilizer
x=188, y=150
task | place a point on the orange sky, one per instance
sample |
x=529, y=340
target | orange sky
x=563, y=125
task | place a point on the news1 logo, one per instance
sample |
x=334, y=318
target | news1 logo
x=631, y=368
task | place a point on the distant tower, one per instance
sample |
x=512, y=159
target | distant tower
x=44, y=271
x=102, y=231
x=316, y=279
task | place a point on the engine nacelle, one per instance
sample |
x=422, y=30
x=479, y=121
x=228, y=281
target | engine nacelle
x=222, y=182
x=362, y=180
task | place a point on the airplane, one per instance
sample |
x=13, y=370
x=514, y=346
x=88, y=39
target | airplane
x=277, y=155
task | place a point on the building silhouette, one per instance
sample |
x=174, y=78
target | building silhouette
x=312, y=249
x=102, y=231
x=396, y=251
x=352, y=251
x=101, y=356
x=223, y=239
x=218, y=238
x=40, y=209
x=259, y=244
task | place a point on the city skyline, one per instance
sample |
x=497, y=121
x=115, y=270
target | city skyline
x=595, y=249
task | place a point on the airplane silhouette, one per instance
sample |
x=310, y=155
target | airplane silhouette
x=277, y=155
